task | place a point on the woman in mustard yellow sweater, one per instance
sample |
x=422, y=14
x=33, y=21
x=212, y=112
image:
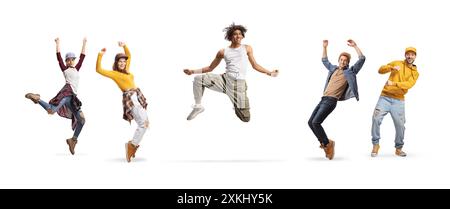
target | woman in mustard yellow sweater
x=134, y=102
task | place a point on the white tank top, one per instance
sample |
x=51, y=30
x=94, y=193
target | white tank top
x=72, y=77
x=236, y=61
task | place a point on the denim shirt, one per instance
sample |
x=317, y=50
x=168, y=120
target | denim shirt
x=350, y=76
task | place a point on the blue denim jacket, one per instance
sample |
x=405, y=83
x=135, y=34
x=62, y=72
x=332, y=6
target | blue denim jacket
x=350, y=76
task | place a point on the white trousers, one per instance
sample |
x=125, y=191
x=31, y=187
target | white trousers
x=141, y=119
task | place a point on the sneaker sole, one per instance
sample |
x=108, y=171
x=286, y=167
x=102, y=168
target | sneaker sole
x=194, y=115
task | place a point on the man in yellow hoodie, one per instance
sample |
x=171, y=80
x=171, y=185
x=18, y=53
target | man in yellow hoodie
x=392, y=100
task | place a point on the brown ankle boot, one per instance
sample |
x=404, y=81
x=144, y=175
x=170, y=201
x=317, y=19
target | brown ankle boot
x=33, y=97
x=375, y=149
x=130, y=150
x=329, y=149
x=72, y=142
x=134, y=154
x=399, y=152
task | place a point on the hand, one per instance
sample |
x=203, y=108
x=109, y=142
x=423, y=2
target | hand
x=103, y=51
x=325, y=43
x=57, y=40
x=395, y=68
x=121, y=44
x=188, y=72
x=351, y=43
x=390, y=83
x=274, y=73
x=84, y=40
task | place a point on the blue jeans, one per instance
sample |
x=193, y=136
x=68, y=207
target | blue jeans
x=64, y=101
x=320, y=113
x=77, y=114
x=396, y=108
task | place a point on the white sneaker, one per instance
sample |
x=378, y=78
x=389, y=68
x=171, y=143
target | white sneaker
x=197, y=109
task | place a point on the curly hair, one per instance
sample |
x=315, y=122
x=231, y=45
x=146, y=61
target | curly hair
x=230, y=30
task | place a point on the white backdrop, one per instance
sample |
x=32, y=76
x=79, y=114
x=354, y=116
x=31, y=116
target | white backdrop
x=216, y=150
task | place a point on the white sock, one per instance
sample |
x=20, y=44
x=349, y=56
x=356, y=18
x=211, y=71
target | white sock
x=197, y=106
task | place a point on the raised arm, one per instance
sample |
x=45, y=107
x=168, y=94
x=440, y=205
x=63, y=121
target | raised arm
x=352, y=43
x=258, y=67
x=58, y=56
x=127, y=52
x=83, y=48
x=58, y=49
x=361, y=58
x=214, y=64
x=82, y=55
x=325, y=60
x=99, y=69
x=325, y=46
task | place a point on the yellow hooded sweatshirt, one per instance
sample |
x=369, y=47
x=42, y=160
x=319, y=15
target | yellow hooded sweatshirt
x=404, y=79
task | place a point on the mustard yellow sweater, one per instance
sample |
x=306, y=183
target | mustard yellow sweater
x=124, y=81
x=404, y=79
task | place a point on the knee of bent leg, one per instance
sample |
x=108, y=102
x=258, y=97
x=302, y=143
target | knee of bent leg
x=82, y=119
x=198, y=79
x=314, y=122
x=310, y=122
x=143, y=124
x=399, y=118
x=377, y=116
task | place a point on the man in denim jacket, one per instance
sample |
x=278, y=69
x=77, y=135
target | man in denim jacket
x=340, y=85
